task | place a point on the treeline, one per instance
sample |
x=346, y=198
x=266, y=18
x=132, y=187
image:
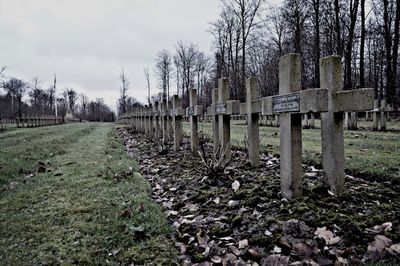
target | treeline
x=23, y=98
x=250, y=36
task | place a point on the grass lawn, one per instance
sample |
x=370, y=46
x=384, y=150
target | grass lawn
x=69, y=194
x=369, y=154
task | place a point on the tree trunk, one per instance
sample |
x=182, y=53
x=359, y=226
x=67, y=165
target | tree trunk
x=392, y=92
x=362, y=45
x=317, y=44
x=337, y=29
x=388, y=46
x=349, y=46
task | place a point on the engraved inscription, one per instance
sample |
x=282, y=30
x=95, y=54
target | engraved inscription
x=286, y=103
x=190, y=111
x=220, y=108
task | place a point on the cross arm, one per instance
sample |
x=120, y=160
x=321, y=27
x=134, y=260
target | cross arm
x=353, y=100
x=256, y=107
x=194, y=110
x=178, y=112
x=313, y=100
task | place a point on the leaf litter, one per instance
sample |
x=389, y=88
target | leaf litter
x=239, y=217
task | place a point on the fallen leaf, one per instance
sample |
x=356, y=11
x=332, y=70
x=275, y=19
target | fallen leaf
x=267, y=233
x=141, y=207
x=171, y=213
x=182, y=247
x=243, y=243
x=217, y=200
x=232, y=203
x=302, y=250
x=327, y=235
x=216, y=259
x=277, y=250
x=254, y=254
x=202, y=237
x=379, y=243
x=380, y=228
x=235, y=185
x=127, y=213
x=276, y=260
x=394, y=249
x=341, y=262
x=235, y=250
x=229, y=259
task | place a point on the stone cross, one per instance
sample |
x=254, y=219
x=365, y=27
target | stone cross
x=177, y=117
x=145, y=120
x=339, y=101
x=383, y=114
x=223, y=109
x=215, y=119
x=290, y=129
x=150, y=118
x=375, y=115
x=252, y=108
x=170, y=131
x=156, y=119
x=193, y=111
x=331, y=102
x=350, y=119
x=164, y=120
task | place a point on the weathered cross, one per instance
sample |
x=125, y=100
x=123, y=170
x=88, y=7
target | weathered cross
x=177, y=114
x=156, y=119
x=223, y=109
x=331, y=101
x=252, y=108
x=164, y=113
x=193, y=111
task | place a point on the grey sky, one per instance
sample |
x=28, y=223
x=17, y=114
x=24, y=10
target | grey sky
x=87, y=42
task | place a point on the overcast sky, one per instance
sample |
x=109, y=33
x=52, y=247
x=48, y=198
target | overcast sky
x=88, y=42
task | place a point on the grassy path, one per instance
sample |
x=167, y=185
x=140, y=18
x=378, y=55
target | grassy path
x=88, y=205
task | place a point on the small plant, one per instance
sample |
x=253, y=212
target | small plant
x=163, y=144
x=215, y=165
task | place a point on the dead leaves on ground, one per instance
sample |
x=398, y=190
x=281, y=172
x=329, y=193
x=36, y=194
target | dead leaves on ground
x=232, y=219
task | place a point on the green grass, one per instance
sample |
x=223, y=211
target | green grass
x=72, y=212
x=370, y=154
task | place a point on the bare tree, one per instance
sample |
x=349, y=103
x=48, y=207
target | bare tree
x=16, y=88
x=72, y=97
x=163, y=71
x=245, y=13
x=122, y=102
x=147, y=76
x=185, y=62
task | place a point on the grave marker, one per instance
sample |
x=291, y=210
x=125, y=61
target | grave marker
x=177, y=117
x=193, y=111
x=339, y=101
x=290, y=125
x=252, y=108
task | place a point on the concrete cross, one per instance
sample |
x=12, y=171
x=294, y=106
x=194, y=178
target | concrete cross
x=223, y=109
x=252, y=108
x=164, y=113
x=331, y=102
x=215, y=121
x=177, y=114
x=339, y=101
x=193, y=111
x=156, y=119
x=150, y=121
